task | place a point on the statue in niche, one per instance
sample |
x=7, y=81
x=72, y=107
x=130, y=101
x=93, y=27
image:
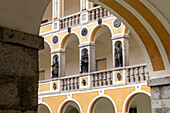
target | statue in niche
x=84, y=61
x=118, y=55
x=55, y=68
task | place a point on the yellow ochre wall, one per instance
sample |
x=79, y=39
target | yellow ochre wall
x=84, y=99
x=91, y=32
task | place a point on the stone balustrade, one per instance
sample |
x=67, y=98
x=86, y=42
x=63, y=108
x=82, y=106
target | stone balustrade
x=97, y=12
x=130, y=75
x=76, y=19
x=69, y=83
x=137, y=74
x=70, y=21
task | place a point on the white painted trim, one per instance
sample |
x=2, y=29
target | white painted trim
x=150, y=30
x=103, y=24
x=133, y=32
x=82, y=87
x=123, y=77
x=43, y=103
x=101, y=96
x=76, y=27
x=72, y=32
x=156, y=12
x=129, y=96
x=58, y=85
x=92, y=90
x=70, y=99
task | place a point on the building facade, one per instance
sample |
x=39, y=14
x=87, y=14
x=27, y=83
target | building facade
x=91, y=62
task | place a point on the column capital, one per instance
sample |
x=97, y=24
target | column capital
x=57, y=51
x=87, y=44
x=159, y=81
x=119, y=36
x=20, y=38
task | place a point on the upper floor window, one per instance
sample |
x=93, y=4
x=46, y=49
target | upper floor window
x=71, y=7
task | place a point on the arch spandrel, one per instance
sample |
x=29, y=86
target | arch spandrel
x=152, y=49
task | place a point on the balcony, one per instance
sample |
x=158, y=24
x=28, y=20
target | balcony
x=129, y=75
x=80, y=18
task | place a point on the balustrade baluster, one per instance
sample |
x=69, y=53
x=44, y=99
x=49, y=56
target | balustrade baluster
x=97, y=14
x=93, y=15
x=146, y=77
x=105, y=13
x=62, y=85
x=100, y=13
x=137, y=79
x=93, y=80
x=70, y=21
x=100, y=79
x=76, y=83
x=105, y=78
x=127, y=76
x=89, y=15
x=141, y=74
x=71, y=84
x=96, y=80
x=131, y=75
x=65, y=84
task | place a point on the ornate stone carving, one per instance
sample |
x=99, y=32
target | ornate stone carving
x=117, y=23
x=118, y=55
x=99, y=21
x=84, y=82
x=69, y=29
x=54, y=86
x=84, y=61
x=84, y=32
x=119, y=76
x=55, y=68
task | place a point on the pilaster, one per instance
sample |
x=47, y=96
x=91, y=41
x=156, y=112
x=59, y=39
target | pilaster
x=19, y=72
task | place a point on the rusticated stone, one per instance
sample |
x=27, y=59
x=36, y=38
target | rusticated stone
x=19, y=71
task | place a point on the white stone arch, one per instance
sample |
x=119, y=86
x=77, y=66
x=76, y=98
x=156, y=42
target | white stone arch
x=103, y=24
x=129, y=98
x=43, y=103
x=101, y=96
x=63, y=38
x=48, y=44
x=151, y=32
x=67, y=100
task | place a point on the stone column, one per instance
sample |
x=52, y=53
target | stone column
x=61, y=60
x=91, y=52
x=19, y=72
x=160, y=94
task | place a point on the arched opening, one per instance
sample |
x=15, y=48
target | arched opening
x=103, y=48
x=68, y=7
x=45, y=63
x=70, y=107
x=102, y=105
x=43, y=109
x=72, y=55
x=139, y=103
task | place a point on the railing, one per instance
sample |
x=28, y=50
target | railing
x=133, y=75
x=70, y=83
x=74, y=20
x=101, y=78
x=137, y=74
x=70, y=21
x=97, y=12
